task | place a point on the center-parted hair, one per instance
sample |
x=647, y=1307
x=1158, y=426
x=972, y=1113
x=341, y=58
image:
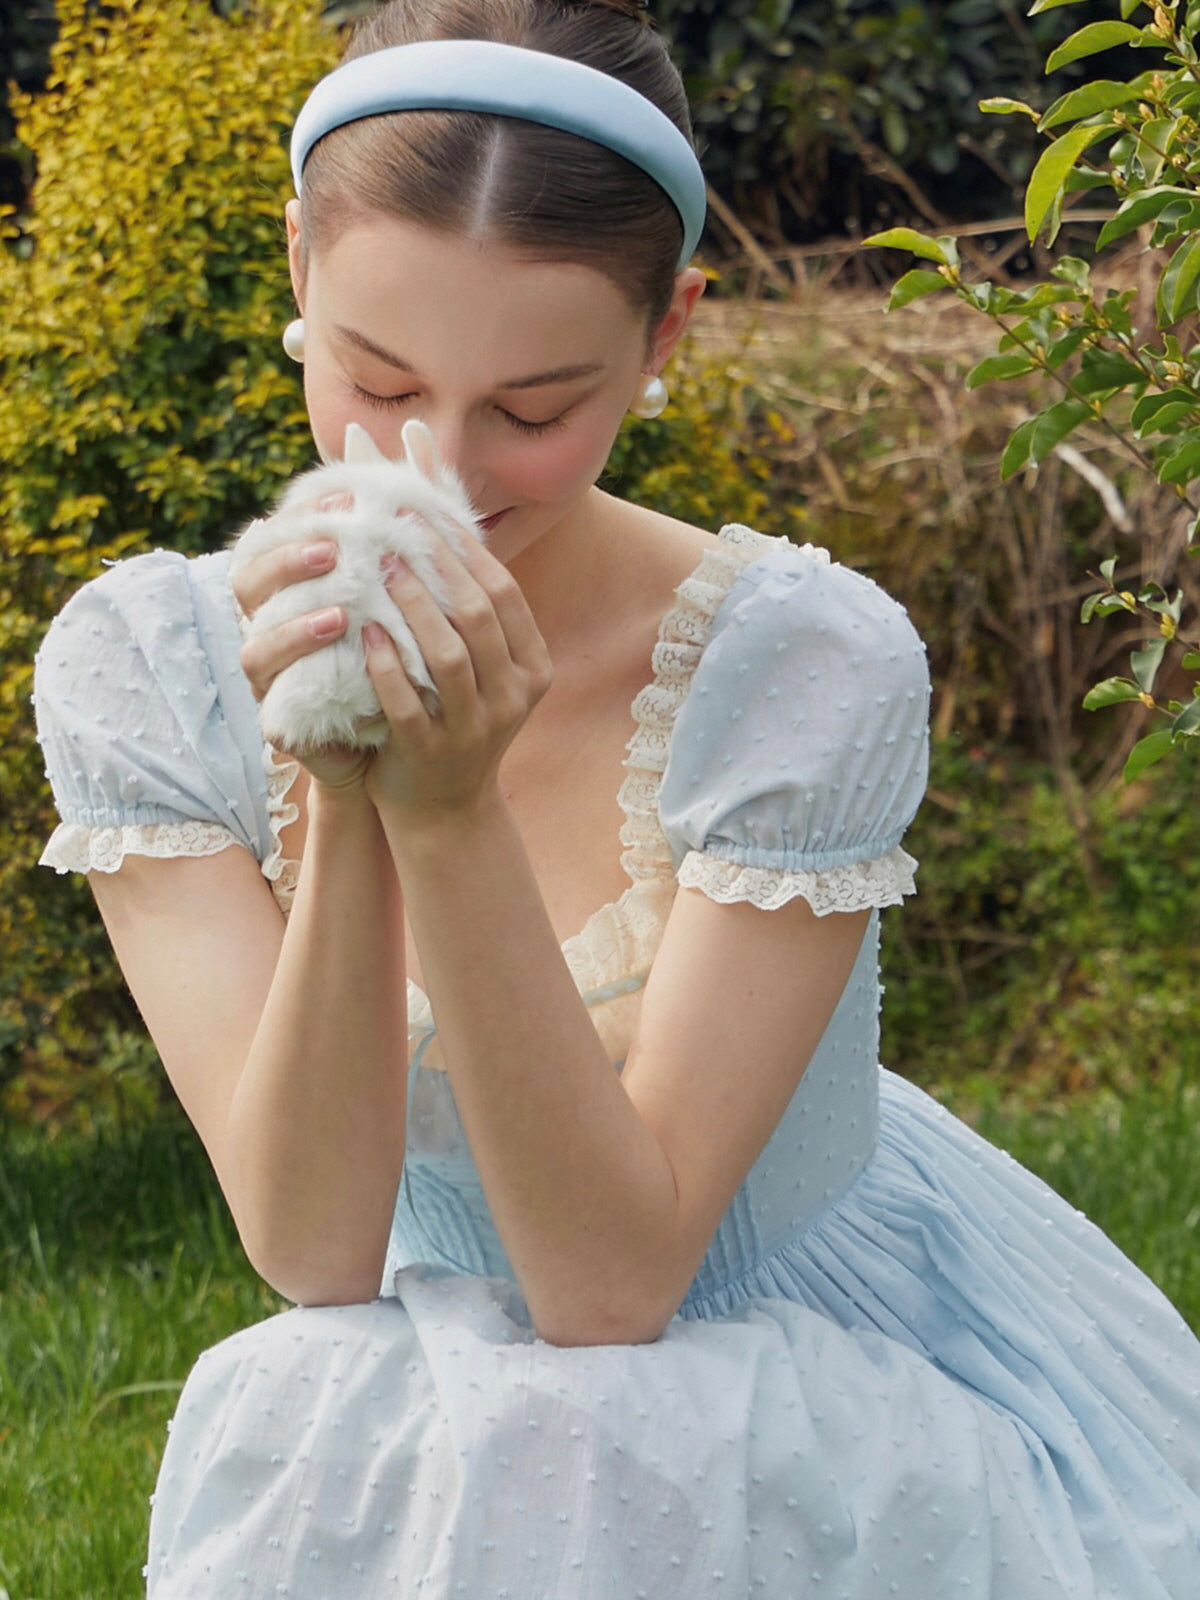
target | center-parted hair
x=542, y=192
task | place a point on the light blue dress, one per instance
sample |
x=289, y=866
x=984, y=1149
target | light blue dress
x=905, y=1367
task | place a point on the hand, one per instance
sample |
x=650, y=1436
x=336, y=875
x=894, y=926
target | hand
x=263, y=658
x=490, y=666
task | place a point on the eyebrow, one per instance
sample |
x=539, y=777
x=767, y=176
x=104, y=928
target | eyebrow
x=535, y=380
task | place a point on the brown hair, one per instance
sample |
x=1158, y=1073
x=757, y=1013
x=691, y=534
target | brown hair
x=544, y=193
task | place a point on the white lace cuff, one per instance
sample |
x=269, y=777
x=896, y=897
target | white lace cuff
x=860, y=886
x=76, y=847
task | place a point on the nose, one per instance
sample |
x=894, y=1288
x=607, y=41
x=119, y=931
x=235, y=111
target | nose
x=458, y=448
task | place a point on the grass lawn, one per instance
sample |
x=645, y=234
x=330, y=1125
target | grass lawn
x=118, y=1265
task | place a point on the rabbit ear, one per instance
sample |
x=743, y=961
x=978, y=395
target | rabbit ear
x=360, y=447
x=421, y=450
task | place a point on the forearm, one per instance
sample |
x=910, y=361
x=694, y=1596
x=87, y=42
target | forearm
x=581, y=1191
x=316, y=1126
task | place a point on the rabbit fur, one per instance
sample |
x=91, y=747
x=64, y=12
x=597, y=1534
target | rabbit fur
x=326, y=697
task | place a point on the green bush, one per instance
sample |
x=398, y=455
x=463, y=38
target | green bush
x=821, y=117
x=1039, y=951
x=143, y=399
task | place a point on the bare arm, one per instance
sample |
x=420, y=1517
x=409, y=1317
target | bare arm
x=605, y=1190
x=285, y=1044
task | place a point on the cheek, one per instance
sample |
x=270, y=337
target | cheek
x=563, y=465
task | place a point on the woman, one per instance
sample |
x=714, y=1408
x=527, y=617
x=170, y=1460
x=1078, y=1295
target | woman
x=681, y=1294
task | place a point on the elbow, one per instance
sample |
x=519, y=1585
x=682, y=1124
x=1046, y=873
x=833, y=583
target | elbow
x=316, y=1277
x=628, y=1319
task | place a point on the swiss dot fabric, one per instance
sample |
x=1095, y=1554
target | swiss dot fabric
x=802, y=745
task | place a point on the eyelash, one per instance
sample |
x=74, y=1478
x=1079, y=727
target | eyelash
x=388, y=402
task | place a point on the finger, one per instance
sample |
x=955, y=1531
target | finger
x=275, y=569
x=398, y=698
x=463, y=647
x=522, y=638
x=292, y=562
x=264, y=657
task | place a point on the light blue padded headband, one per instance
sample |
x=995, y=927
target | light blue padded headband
x=508, y=81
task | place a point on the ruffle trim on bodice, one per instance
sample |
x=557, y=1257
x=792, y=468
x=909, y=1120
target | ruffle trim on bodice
x=859, y=886
x=682, y=636
x=81, y=847
x=280, y=871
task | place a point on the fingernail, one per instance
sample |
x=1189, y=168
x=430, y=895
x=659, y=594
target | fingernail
x=394, y=566
x=320, y=554
x=323, y=623
x=373, y=635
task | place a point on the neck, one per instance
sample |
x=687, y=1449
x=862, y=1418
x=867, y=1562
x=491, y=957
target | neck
x=576, y=577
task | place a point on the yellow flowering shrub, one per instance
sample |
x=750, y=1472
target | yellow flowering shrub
x=144, y=400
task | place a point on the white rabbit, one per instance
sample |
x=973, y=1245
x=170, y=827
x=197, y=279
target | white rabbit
x=326, y=697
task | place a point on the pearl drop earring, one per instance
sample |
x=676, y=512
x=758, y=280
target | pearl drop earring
x=293, y=339
x=651, y=398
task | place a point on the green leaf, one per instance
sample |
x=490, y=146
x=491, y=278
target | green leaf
x=996, y=367
x=1183, y=465
x=1154, y=146
x=1095, y=37
x=1177, y=287
x=1103, y=95
x=1100, y=369
x=1054, y=424
x=1159, y=410
x=1112, y=692
x=1049, y=5
x=1188, y=720
x=1191, y=662
x=1000, y=104
x=1055, y=162
x=1107, y=568
x=1145, y=663
x=1063, y=348
x=1146, y=752
x=913, y=285
x=1017, y=451
x=1138, y=209
x=909, y=239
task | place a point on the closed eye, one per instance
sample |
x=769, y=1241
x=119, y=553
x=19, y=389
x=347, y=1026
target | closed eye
x=522, y=426
x=381, y=402
x=390, y=402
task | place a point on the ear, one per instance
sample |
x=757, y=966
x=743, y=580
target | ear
x=296, y=251
x=689, y=286
x=421, y=450
x=360, y=447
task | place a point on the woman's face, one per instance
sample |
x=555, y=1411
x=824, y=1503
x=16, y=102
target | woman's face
x=522, y=369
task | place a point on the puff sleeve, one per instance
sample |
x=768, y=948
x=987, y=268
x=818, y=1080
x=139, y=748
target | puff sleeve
x=147, y=724
x=800, y=754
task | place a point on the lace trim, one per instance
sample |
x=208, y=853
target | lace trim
x=861, y=886
x=79, y=847
x=683, y=634
x=281, y=872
